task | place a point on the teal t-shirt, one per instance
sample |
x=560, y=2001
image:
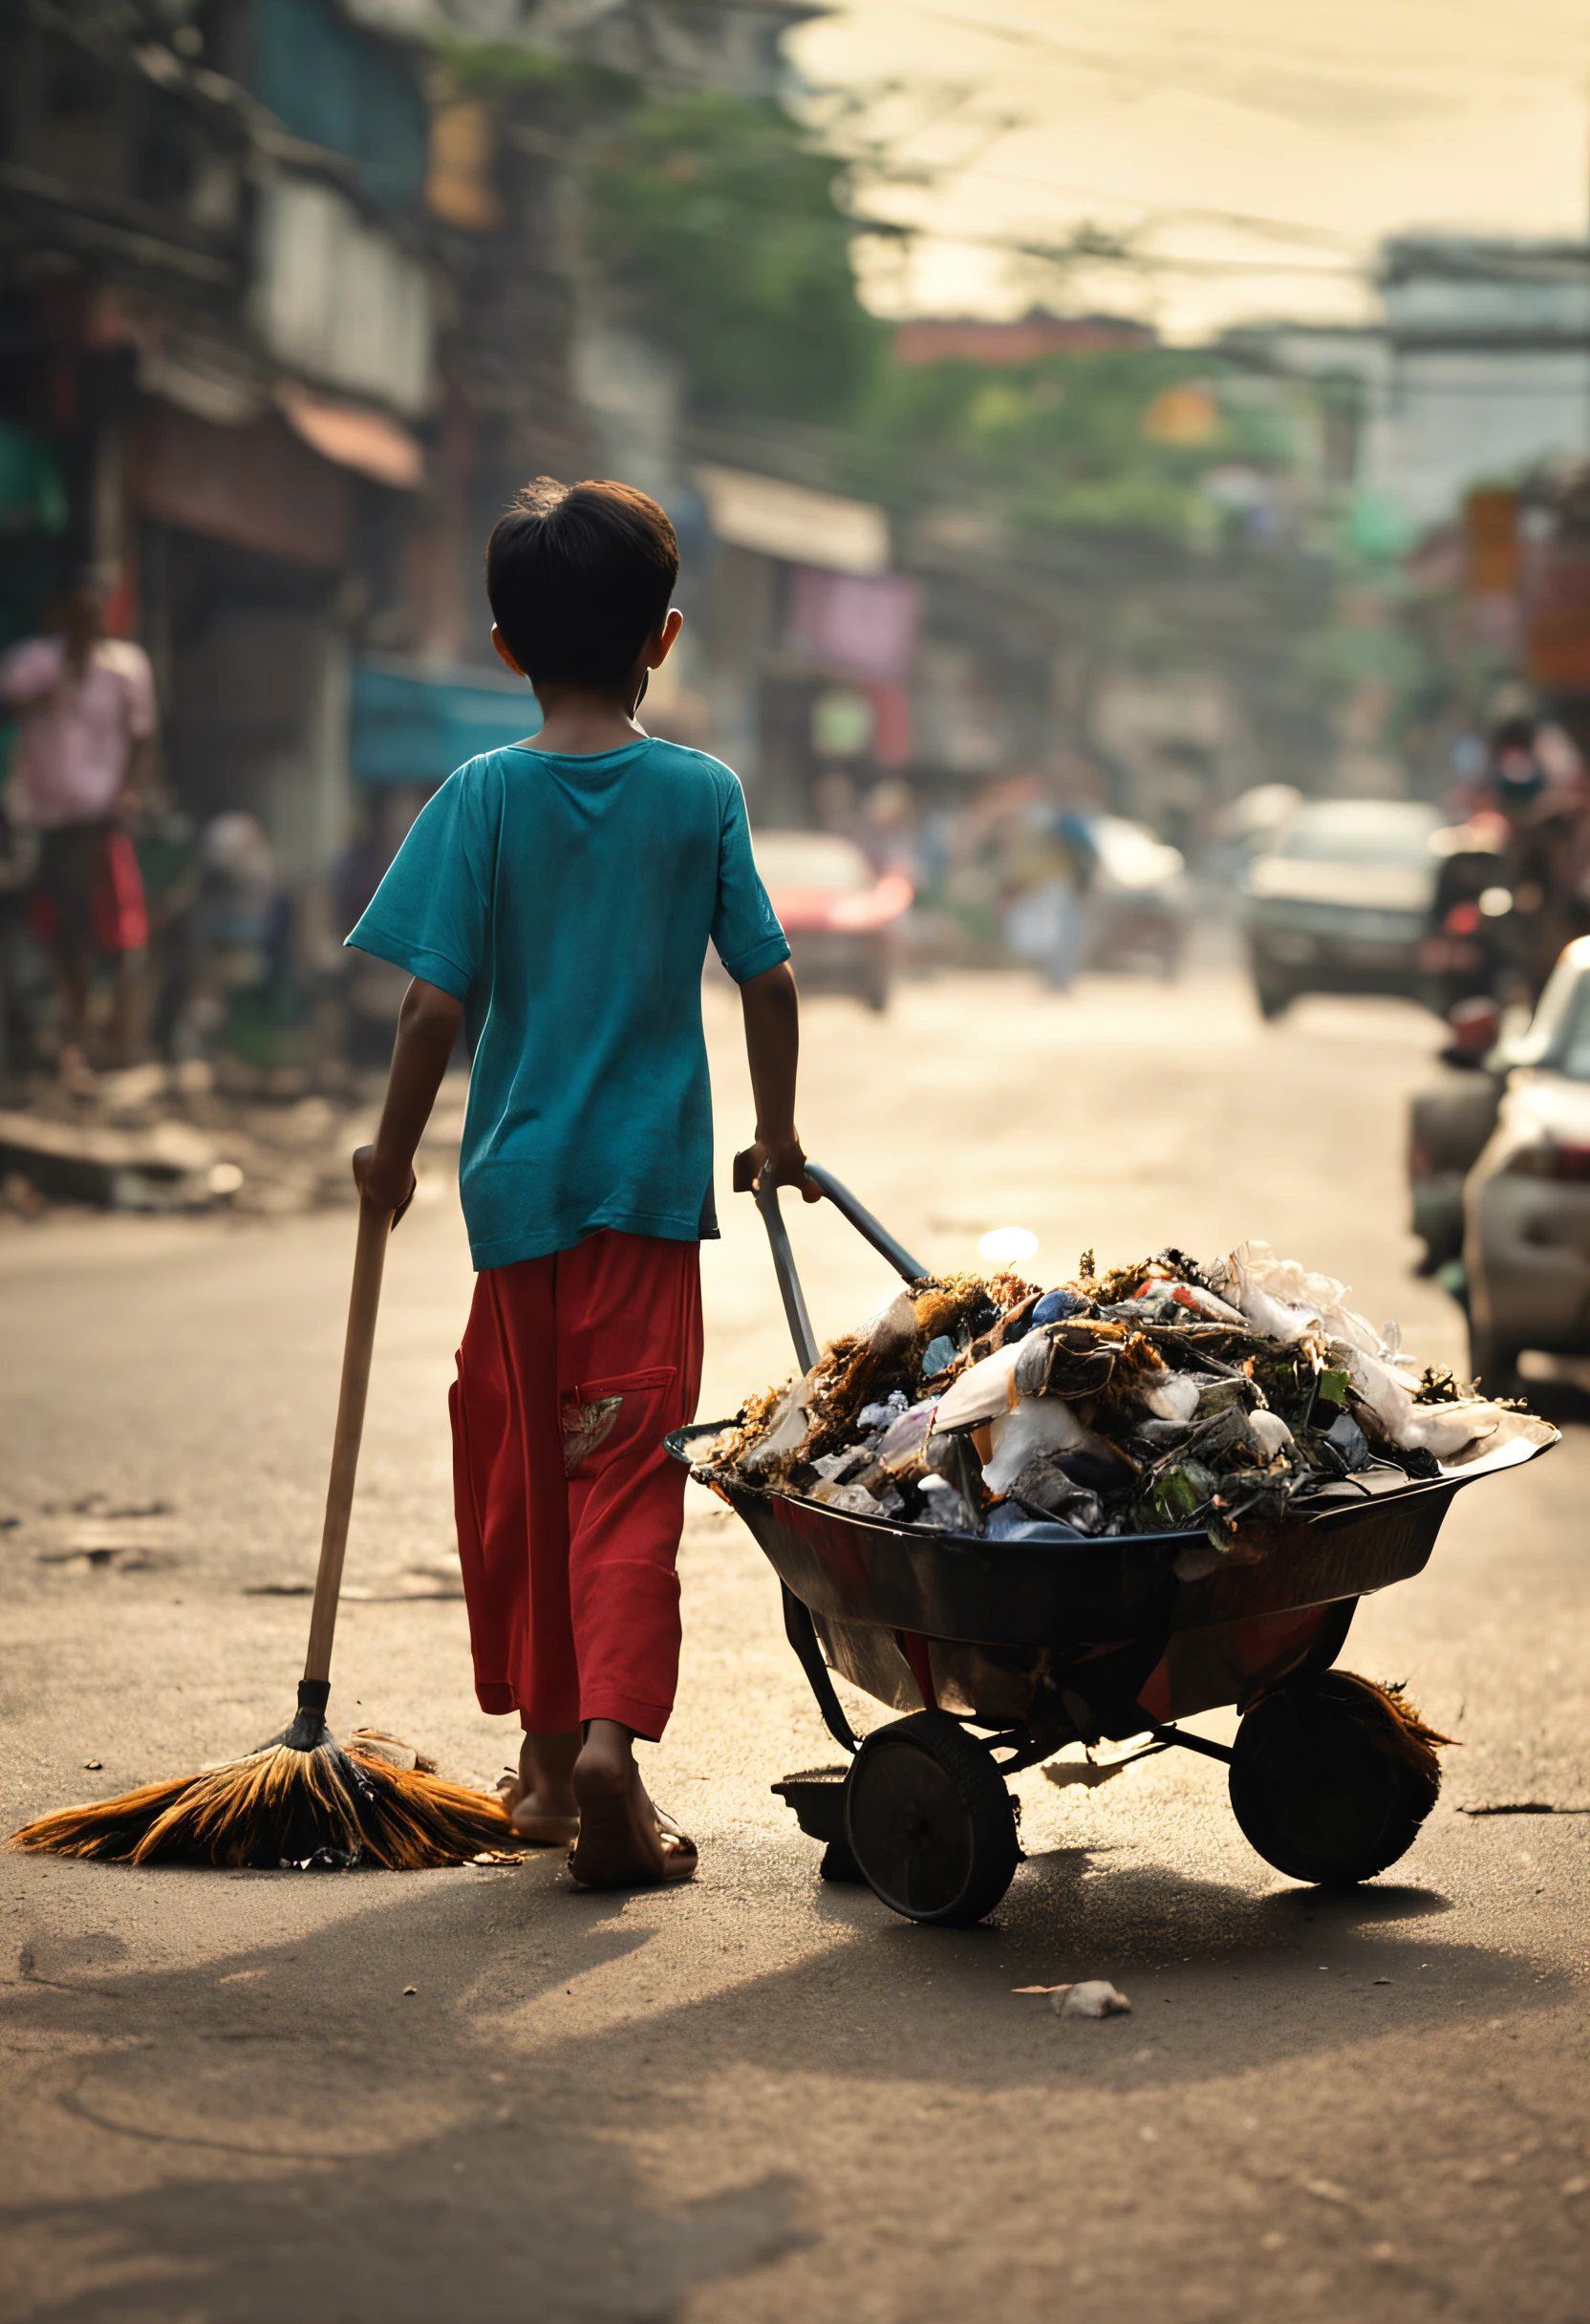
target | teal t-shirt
x=568, y=903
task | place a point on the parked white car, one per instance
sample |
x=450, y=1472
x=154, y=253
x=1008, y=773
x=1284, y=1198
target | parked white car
x=1526, y=1202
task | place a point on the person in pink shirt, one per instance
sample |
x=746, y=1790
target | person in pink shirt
x=87, y=724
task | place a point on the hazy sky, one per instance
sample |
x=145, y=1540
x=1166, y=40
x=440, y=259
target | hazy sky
x=1255, y=148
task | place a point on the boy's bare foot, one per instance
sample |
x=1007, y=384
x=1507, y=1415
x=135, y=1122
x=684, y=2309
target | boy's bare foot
x=540, y=1799
x=624, y=1842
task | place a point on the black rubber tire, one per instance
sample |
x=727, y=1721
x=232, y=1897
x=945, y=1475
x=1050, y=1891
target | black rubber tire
x=1274, y=998
x=1325, y=1782
x=928, y=1822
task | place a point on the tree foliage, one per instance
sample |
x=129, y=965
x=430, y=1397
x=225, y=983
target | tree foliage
x=1069, y=441
x=726, y=231
x=723, y=227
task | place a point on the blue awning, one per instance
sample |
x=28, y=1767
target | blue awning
x=414, y=725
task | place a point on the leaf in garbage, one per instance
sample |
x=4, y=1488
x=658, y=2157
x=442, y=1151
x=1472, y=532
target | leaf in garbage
x=1330, y=1387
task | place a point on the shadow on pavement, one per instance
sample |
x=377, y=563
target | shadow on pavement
x=285, y=2132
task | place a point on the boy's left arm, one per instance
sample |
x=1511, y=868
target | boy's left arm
x=427, y=1026
x=771, y=1009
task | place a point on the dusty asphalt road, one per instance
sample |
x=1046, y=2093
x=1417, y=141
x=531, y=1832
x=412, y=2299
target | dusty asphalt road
x=760, y=2099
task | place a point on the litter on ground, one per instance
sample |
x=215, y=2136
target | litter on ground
x=1094, y=1998
x=1097, y=1997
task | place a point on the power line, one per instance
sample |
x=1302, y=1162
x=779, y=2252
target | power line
x=1280, y=227
x=1101, y=255
x=1505, y=62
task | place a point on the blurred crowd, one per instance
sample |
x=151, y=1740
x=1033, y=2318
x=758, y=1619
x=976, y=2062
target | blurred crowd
x=1032, y=867
x=186, y=934
x=129, y=926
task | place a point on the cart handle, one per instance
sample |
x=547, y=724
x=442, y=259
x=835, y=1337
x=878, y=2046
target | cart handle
x=796, y=1312
x=865, y=1225
x=797, y=1616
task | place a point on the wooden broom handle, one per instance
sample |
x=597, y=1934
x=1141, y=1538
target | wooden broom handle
x=365, y=1299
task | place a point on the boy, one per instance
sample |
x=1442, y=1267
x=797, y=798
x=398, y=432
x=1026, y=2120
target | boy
x=557, y=896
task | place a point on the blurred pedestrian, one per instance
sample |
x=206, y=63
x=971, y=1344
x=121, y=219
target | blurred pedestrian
x=888, y=832
x=833, y=803
x=166, y=842
x=239, y=961
x=85, y=741
x=1536, y=788
x=1051, y=860
x=18, y=871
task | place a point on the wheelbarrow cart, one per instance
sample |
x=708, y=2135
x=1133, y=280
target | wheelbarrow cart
x=998, y=1654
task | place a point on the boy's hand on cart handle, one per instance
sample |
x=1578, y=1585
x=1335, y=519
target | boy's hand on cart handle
x=388, y=1187
x=788, y=1162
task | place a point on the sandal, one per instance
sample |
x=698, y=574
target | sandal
x=608, y=1831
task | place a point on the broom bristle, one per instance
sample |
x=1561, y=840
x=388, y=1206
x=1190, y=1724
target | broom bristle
x=106, y=1828
x=283, y=1805
x=1413, y=1740
x=426, y=1820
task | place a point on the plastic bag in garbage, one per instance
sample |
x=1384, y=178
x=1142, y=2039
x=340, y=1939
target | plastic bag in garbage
x=1161, y=1396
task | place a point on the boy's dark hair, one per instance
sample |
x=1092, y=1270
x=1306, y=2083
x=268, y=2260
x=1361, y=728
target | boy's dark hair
x=579, y=576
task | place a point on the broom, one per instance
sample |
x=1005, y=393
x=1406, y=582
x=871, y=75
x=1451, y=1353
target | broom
x=302, y=1797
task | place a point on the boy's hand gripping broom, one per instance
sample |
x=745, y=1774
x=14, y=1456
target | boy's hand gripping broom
x=301, y=1797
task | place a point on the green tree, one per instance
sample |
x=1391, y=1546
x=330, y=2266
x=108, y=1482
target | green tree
x=723, y=226
x=1073, y=440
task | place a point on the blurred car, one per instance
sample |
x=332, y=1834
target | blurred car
x=1246, y=828
x=1140, y=902
x=1526, y=1201
x=838, y=912
x=1448, y=1124
x=1340, y=901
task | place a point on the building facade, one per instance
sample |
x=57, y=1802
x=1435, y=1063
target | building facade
x=1478, y=370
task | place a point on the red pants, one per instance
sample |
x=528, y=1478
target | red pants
x=90, y=894
x=573, y=1370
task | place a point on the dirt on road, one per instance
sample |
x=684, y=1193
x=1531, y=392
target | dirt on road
x=760, y=2099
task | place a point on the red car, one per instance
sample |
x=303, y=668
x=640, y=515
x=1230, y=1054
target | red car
x=838, y=912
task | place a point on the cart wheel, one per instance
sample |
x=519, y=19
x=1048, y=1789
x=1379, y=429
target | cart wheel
x=930, y=1822
x=1327, y=1782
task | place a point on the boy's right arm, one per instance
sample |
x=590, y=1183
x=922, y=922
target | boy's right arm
x=427, y=1026
x=771, y=1010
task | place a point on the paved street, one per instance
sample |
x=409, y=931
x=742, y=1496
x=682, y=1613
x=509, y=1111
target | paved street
x=762, y=2100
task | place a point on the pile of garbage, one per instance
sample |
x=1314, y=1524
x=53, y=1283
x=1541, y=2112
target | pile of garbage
x=1160, y=1397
